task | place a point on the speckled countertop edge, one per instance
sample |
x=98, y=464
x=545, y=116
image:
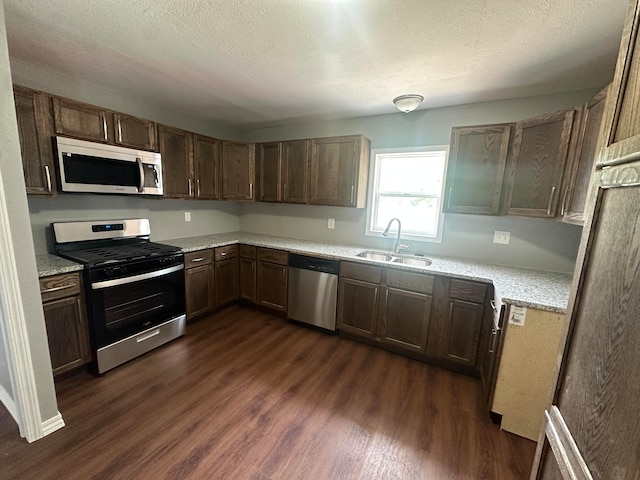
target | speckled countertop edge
x=517, y=286
x=49, y=264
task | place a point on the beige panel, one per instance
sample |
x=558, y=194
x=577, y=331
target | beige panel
x=527, y=372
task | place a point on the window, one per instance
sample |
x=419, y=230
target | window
x=408, y=184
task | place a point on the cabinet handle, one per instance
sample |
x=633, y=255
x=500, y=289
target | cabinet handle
x=564, y=200
x=223, y=254
x=284, y=195
x=119, y=131
x=493, y=305
x=61, y=287
x=449, y=199
x=189, y=187
x=553, y=191
x=196, y=260
x=47, y=174
x=198, y=187
x=251, y=190
x=104, y=127
x=353, y=191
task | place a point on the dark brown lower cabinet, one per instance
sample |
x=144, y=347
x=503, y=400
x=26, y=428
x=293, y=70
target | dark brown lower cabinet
x=226, y=281
x=247, y=267
x=404, y=319
x=358, y=307
x=199, y=282
x=273, y=279
x=66, y=321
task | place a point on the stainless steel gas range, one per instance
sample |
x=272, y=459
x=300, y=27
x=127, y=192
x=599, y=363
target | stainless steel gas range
x=134, y=288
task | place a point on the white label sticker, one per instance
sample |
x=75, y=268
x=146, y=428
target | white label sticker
x=517, y=314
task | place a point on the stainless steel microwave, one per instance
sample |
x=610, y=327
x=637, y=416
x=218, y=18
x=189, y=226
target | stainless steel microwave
x=99, y=168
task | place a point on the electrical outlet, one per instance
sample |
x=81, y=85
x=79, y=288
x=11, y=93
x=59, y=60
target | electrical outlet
x=501, y=237
x=331, y=224
x=187, y=216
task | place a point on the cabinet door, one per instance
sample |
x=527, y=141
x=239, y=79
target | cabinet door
x=358, y=307
x=536, y=164
x=335, y=171
x=273, y=284
x=226, y=281
x=206, y=162
x=66, y=324
x=405, y=319
x=269, y=166
x=199, y=289
x=582, y=165
x=475, y=173
x=75, y=119
x=135, y=132
x=462, y=332
x=620, y=139
x=295, y=171
x=34, y=130
x=175, y=148
x=248, y=278
x=238, y=161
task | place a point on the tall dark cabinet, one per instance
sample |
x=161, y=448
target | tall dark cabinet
x=591, y=428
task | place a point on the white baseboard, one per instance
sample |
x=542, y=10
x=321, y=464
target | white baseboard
x=7, y=401
x=53, y=424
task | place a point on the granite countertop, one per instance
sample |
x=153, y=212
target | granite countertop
x=517, y=286
x=49, y=264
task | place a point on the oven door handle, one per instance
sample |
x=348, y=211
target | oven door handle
x=135, y=278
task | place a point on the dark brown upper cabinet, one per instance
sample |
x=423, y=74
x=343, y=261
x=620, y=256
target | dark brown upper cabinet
x=238, y=171
x=536, y=164
x=96, y=124
x=295, y=171
x=134, y=132
x=206, y=167
x=175, y=147
x=79, y=120
x=580, y=168
x=35, y=130
x=475, y=174
x=339, y=171
x=269, y=170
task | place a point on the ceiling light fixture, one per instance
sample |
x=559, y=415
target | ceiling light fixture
x=408, y=103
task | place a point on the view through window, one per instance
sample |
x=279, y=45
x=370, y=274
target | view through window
x=408, y=184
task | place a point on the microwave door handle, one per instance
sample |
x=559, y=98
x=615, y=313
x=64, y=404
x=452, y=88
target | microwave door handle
x=141, y=186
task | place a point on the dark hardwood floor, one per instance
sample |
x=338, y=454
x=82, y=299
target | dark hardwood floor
x=245, y=395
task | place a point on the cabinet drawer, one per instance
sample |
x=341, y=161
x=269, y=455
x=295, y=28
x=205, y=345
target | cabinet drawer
x=195, y=259
x=410, y=281
x=273, y=256
x=225, y=253
x=247, y=251
x=59, y=286
x=358, y=271
x=469, y=291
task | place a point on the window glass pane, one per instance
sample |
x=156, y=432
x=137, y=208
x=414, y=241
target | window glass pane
x=412, y=173
x=418, y=215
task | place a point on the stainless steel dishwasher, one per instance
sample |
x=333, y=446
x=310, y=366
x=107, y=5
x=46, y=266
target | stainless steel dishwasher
x=313, y=290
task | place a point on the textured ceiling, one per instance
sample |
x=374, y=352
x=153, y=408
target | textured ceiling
x=270, y=62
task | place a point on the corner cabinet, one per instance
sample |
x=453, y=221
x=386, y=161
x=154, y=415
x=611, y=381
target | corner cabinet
x=238, y=171
x=282, y=171
x=536, y=164
x=66, y=321
x=35, y=131
x=475, y=175
x=226, y=274
x=247, y=273
x=273, y=279
x=339, y=171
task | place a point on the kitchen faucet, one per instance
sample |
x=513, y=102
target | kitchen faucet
x=398, y=246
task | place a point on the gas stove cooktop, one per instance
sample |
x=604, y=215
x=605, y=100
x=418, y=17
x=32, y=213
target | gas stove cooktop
x=107, y=254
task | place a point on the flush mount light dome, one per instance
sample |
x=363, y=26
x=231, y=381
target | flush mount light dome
x=408, y=103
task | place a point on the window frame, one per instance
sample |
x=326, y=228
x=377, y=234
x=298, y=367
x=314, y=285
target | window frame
x=374, y=182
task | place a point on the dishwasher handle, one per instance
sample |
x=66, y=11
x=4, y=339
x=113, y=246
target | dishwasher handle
x=321, y=265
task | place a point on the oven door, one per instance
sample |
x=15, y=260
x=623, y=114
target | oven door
x=125, y=306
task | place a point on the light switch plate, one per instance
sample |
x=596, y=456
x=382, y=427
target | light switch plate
x=501, y=237
x=331, y=223
x=187, y=216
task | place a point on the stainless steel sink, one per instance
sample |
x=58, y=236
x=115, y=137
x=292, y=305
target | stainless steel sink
x=383, y=257
x=418, y=262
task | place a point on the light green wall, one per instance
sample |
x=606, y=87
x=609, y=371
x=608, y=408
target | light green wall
x=540, y=244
